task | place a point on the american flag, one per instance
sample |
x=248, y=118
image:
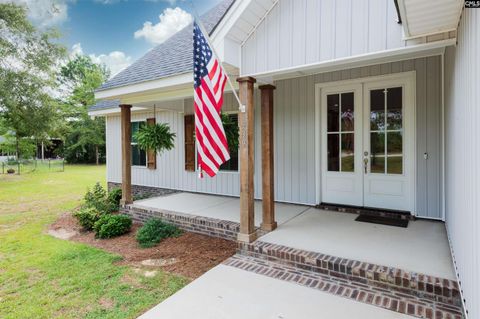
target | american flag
x=209, y=82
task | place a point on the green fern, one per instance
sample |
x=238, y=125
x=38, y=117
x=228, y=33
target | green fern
x=155, y=137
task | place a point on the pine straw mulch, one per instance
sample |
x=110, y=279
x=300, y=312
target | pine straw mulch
x=190, y=254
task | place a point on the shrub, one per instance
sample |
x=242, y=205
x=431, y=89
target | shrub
x=114, y=197
x=87, y=217
x=97, y=198
x=155, y=231
x=109, y=226
x=10, y=171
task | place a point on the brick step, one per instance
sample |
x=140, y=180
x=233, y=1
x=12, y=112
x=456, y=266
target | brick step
x=394, y=279
x=351, y=289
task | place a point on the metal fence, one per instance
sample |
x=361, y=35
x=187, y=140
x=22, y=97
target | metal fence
x=29, y=166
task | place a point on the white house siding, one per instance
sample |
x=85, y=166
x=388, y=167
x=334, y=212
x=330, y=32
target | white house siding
x=294, y=136
x=462, y=153
x=298, y=32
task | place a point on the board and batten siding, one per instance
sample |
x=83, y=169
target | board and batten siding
x=294, y=138
x=462, y=137
x=297, y=32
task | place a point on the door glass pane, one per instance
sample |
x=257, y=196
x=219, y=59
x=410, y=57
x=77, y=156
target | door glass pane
x=394, y=108
x=377, y=110
x=395, y=165
x=348, y=157
x=394, y=143
x=333, y=112
x=333, y=152
x=347, y=112
x=377, y=152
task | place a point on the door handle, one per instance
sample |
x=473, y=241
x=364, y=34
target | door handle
x=365, y=164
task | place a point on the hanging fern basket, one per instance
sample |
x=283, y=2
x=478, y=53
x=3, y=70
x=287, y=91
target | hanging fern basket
x=157, y=138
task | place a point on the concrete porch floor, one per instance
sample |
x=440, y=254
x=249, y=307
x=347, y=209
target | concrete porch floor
x=219, y=207
x=422, y=247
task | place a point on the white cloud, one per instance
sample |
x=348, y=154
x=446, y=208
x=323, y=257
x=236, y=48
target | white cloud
x=115, y=61
x=171, y=21
x=45, y=13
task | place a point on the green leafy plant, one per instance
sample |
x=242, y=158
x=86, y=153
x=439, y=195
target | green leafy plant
x=10, y=171
x=155, y=137
x=97, y=198
x=114, y=197
x=154, y=231
x=109, y=226
x=87, y=217
x=231, y=130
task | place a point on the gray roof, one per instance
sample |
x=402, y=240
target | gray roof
x=105, y=104
x=172, y=57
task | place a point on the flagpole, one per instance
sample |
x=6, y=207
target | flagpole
x=207, y=37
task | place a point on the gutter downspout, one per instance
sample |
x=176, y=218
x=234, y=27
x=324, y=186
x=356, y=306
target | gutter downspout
x=443, y=136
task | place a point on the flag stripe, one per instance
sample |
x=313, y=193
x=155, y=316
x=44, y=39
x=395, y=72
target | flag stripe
x=209, y=83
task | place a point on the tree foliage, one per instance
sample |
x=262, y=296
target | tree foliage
x=28, y=60
x=85, y=137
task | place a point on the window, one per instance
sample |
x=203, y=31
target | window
x=231, y=129
x=139, y=157
x=340, y=132
x=230, y=124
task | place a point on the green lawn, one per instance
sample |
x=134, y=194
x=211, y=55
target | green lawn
x=45, y=277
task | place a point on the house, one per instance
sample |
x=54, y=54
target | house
x=368, y=103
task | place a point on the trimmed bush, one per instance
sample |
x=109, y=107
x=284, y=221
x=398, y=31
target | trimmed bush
x=109, y=226
x=154, y=231
x=97, y=198
x=114, y=197
x=10, y=171
x=87, y=217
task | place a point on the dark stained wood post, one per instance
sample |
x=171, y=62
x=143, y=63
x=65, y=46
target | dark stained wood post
x=268, y=205
x=126, y=154
x=246, y=150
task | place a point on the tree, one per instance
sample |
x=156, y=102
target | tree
x=81, y=76
x=28, y=60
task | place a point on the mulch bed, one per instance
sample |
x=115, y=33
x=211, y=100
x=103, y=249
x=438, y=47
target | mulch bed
x=194, y=254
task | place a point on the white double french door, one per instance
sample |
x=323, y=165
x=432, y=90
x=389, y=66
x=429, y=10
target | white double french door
x=367, y=144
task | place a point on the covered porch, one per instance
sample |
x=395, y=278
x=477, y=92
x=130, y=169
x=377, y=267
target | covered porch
x=421, y=248
x=328, y=250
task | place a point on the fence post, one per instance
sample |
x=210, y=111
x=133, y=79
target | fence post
x=63, y=165
x=49, y=164
x=18, y=166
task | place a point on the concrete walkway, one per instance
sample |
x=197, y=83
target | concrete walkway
x=225, y=292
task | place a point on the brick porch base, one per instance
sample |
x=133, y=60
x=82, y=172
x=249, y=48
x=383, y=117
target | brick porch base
x=394, y=279
x=376, y=296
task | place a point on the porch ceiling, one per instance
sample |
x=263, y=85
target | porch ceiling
x=422, y=18
x=249, y=19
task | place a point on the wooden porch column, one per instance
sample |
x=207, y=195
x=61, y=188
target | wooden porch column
x=268, y=206
x=246, y=151
x=126, y=154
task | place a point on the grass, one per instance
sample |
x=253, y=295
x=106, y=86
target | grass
x=45, y=277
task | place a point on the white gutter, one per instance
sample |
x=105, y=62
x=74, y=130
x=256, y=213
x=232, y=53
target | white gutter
x=166, y=84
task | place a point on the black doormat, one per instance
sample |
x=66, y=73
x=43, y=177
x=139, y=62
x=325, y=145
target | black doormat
x=382, y=220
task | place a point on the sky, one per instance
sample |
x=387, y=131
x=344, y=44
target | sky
x=113, y=32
